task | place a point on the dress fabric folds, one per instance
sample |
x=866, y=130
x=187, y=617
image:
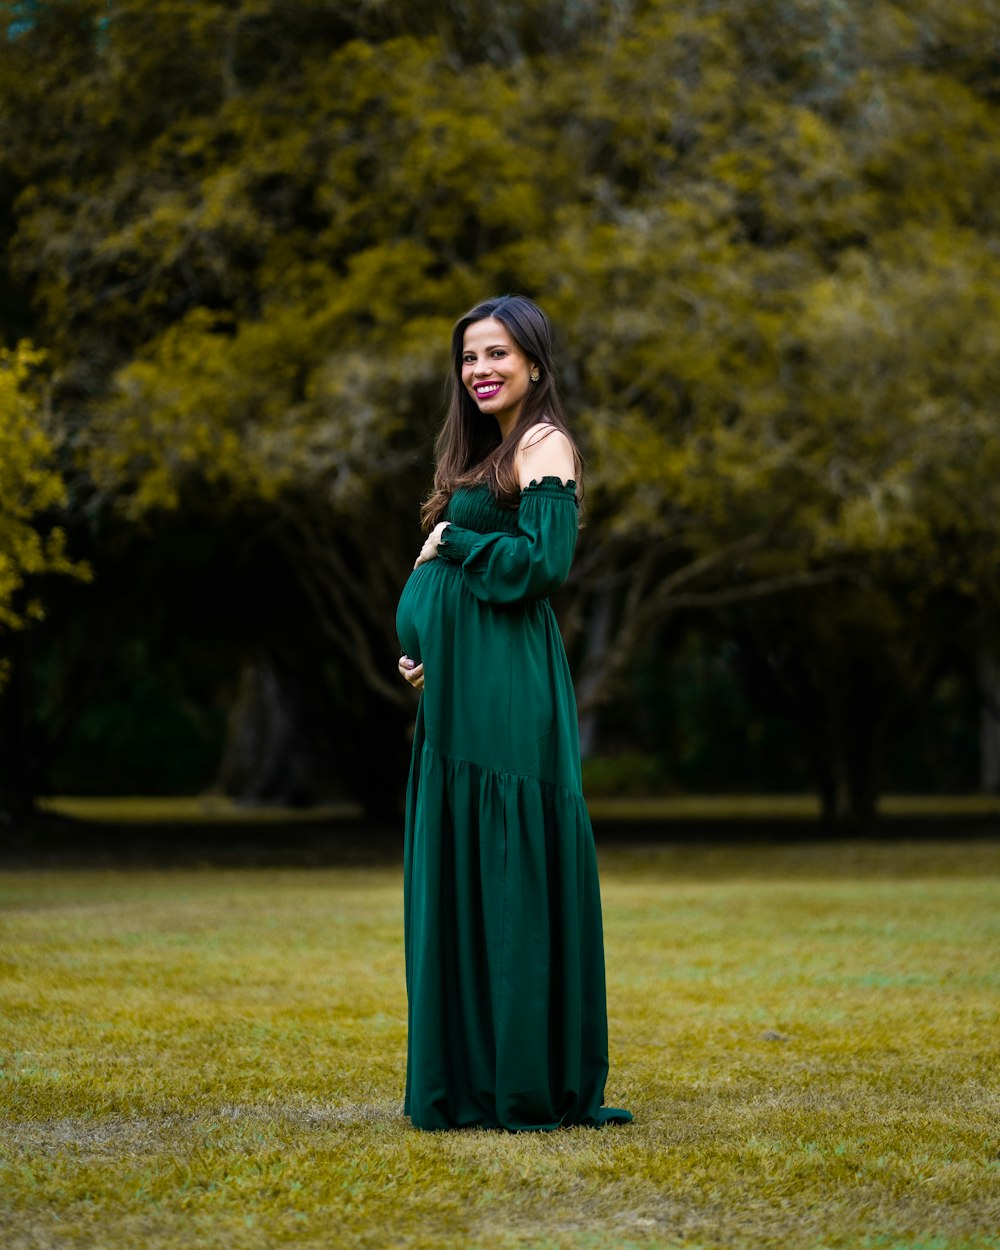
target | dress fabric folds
x=502, y=912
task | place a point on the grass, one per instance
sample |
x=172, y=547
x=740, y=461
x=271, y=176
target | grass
x=200, y=809
x=217, y=809
x=808, y=1036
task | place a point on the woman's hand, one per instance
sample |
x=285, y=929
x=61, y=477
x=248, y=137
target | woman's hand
x=412, y=672
x=430, y=548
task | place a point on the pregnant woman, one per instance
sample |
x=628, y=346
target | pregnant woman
x=504, y=948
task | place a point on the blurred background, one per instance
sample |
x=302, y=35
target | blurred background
x=234, y=236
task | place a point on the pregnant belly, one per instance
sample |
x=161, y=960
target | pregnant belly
x=419, y=604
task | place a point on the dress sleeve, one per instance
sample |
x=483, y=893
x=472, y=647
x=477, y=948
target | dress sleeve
x=529, y=564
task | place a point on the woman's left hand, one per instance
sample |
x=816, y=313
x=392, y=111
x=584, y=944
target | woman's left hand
x=430, y=548
x=412, y=671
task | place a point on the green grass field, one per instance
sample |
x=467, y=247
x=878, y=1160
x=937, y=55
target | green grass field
x=809, y=1037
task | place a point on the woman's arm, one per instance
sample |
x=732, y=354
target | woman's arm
x=529, y=564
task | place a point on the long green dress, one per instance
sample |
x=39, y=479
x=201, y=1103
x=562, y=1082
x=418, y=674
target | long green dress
x=502, y=909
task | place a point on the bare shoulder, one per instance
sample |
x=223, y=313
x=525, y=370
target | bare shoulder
x=535, y=435
x=545, y=451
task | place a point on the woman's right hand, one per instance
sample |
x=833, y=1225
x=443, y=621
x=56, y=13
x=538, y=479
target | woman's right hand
x=412, y=672
x=429, y=550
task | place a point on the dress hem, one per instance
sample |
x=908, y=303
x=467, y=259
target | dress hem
x=450, y=758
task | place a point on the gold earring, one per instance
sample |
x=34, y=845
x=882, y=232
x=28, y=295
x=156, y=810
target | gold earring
x=535, y=375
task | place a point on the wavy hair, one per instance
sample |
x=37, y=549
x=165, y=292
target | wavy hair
x=469, y=447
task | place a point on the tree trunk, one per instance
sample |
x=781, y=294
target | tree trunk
x=862, y=723
x=18, y=772
x=988, y=668
x=833, y=699
x=293, y=742
x=846, y=786
x=265, y=759
x=598, y=634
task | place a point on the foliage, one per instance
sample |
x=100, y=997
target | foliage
x=806, y=1035
x=766, y=233
x=31, y=488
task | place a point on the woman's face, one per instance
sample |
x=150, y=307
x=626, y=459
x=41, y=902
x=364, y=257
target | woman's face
x=495, y=372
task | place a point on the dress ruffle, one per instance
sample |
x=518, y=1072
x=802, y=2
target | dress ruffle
x=506, y=970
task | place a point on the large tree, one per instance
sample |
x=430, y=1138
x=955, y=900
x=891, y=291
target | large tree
x=31, y=492
x=32, y=546
x=767, y=235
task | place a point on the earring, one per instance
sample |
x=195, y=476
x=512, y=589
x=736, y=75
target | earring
x=535, y=375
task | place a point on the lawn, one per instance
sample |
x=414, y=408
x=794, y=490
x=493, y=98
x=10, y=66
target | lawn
x=809, y=1037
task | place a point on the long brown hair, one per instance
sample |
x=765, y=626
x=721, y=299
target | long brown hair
x=469, y=447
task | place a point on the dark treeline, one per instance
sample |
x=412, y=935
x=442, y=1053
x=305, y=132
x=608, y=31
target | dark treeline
x=233, y=237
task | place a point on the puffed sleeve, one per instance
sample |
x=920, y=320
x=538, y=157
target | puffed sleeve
x=531, y=564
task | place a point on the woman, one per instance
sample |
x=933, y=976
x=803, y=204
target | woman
x=504, y=949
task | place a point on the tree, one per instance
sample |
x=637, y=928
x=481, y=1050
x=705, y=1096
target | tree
x=31, y=546
x=785, y=350
x=31, y=489
x=767, y=235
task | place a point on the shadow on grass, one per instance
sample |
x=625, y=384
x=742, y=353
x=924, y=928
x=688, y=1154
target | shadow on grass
x=61, y=842
x=263, y=839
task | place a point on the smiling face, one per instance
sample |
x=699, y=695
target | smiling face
x=495, y=371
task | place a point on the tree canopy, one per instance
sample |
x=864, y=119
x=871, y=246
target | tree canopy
x=767, y=234
x=31, y=491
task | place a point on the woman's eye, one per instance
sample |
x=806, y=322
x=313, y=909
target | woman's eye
x=499, y=352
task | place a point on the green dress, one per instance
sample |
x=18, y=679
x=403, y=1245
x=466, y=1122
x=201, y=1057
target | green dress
x=502, y=909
